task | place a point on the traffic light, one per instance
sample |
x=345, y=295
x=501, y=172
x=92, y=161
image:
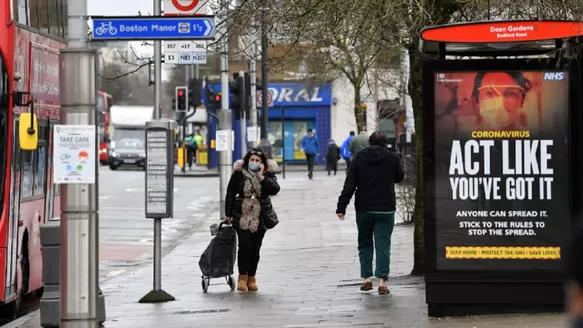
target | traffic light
x=194, y=93
x=213, y=100
x=181, y=104
x=238, y=96
x=217, y=100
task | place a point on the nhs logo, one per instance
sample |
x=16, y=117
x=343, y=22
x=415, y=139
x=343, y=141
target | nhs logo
x=555, y=76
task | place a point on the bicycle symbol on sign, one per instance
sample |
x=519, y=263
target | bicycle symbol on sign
x=106, y=28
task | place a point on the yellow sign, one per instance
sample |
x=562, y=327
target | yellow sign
x=503, y=253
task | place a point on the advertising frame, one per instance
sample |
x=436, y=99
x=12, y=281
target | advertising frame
x=454, y=292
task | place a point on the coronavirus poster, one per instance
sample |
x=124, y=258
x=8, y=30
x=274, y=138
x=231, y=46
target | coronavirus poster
x=501, y=170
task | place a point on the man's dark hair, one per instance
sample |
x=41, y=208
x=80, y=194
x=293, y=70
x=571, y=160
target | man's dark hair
x=309, y=130
x=352, y=133
x=377, y=138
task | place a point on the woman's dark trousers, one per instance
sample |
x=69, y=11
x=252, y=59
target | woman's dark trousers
x=249, y=248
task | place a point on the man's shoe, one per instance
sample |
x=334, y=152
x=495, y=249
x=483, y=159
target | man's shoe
x=366, y=286
x=383, y=290
x=242, y=283
x=252, y=284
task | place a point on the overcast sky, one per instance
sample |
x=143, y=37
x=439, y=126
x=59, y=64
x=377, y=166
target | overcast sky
x=122, y=8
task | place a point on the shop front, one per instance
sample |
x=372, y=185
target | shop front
x=297, y=108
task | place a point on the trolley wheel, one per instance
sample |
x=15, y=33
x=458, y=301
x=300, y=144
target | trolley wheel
x=205, y=284
x=231, y=282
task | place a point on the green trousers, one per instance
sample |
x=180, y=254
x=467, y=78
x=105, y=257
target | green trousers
x=380, y=227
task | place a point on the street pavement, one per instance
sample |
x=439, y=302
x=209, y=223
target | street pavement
x=308, y=277
x=126, y=236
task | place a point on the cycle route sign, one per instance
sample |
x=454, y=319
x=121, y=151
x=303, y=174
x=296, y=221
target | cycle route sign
x=154, y=28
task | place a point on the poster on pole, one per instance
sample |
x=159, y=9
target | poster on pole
x=253, y=133
x=225, y=140
x=74, y=154
x=501, y=181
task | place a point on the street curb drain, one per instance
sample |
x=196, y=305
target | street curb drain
x=202, y=311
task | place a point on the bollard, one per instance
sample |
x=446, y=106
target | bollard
x=50, y=303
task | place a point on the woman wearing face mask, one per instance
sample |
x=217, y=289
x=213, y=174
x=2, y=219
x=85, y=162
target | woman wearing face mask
x=250, y=186
x=500, y=97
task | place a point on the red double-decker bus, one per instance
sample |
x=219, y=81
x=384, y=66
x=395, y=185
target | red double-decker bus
x=104, y=102
x=31, y=33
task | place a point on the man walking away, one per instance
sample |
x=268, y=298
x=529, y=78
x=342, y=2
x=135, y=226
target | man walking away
x=358, y=143
x=345, y=150
x=310, y=146
x=373, y=174
x=332, y=156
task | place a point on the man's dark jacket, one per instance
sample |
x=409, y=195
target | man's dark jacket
x=373, y=174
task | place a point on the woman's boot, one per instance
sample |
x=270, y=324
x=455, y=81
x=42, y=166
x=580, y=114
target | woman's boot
x=252, y=284
x=242, y=284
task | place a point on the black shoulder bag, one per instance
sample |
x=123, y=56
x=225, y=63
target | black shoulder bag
x=268, y=214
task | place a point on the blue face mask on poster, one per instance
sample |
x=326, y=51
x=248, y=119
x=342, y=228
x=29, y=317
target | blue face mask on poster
x=253, y=166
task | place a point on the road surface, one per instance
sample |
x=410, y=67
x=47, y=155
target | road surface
x=126, y=236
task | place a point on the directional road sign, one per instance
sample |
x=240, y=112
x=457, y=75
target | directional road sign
x=154, y=28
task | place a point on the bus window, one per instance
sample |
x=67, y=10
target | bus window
x=99, y=103
x=100, y=118
x=27, y=180
x=40, y=160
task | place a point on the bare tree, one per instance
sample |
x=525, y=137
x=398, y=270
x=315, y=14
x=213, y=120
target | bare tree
x=124, y=80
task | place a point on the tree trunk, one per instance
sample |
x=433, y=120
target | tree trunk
x=359, y=112
x=417, y=98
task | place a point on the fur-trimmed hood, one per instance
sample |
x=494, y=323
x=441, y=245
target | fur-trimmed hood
x=271, y=166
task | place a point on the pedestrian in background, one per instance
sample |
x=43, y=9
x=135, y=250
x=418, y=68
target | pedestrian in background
x=373, y=173
x=311, y=148
x=332, y=157
x=252, y=183
x=345, y=150
x=358, y=143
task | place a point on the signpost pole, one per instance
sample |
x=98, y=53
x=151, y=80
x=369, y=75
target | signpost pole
x=79, y=288
x=157, y=295
x=243, y=118
x=264, y=144
x=168, y=28
x=282, y=142
x=253, y=109
x=225, y=122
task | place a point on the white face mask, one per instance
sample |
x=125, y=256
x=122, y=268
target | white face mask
x=493, y=112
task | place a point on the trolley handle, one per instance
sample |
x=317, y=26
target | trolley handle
x=223, y=223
